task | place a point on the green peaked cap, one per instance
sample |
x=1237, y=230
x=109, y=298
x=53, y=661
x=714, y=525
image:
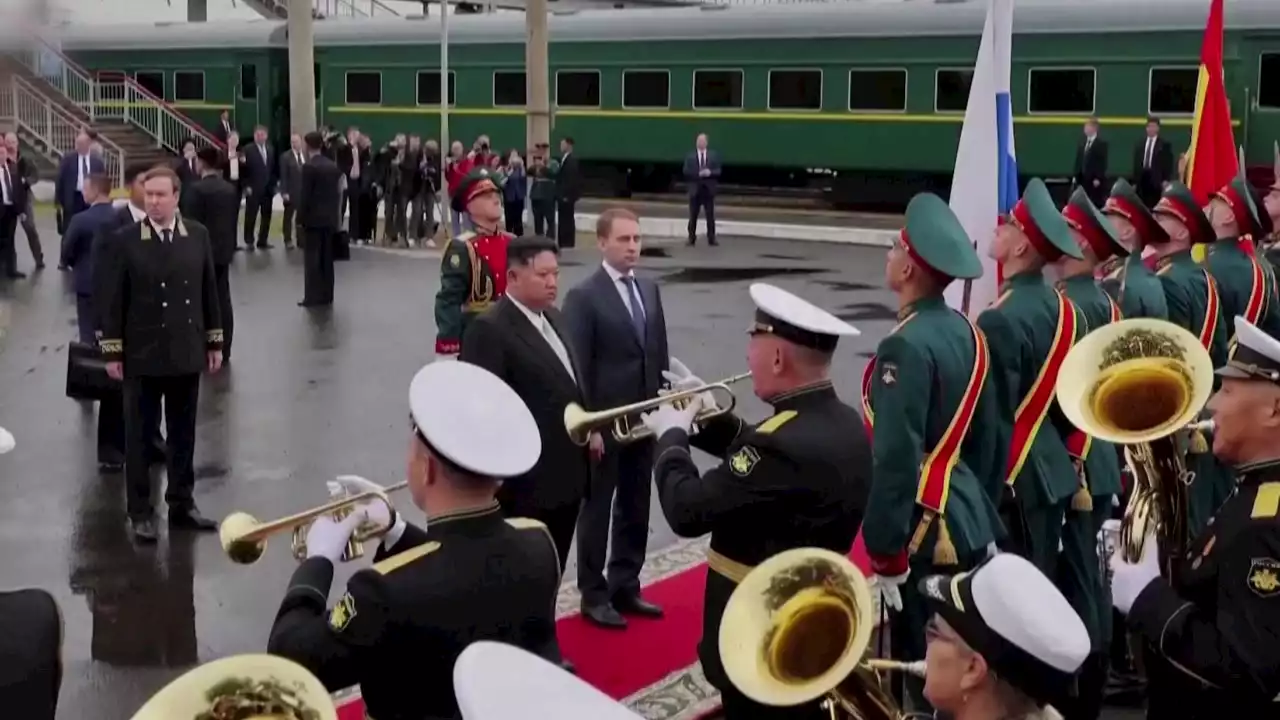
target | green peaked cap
x=1044, y=214
x=935, y=236
x=1124, y=201
x=465, y=189
x=1240, y=186
x=1178, y=202
x=1081, y=209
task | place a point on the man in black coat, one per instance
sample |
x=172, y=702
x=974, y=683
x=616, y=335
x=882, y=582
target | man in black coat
x=568, y=193
x=1091, y=165
x=13, y=204
x=1152, y=164
x=213, y=202
x=259, y=186
x=160, y=331
x=31, y=644
x=319, y=201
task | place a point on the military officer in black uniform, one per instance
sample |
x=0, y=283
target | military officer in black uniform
x=213, y=202
x=798, y=479
x=160, y=330
x=1213, y=628
x=468, y=574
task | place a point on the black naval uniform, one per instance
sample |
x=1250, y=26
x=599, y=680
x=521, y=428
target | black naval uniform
x=30, y=654
x=401, y=625
x=213, y=202
x=797, y=479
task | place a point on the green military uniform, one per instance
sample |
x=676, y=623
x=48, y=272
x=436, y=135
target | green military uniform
x=473, y=270
x=1194, y=304
x=1137, y=289
x=1021, y=328
x=1246, y=283
x=932, y=411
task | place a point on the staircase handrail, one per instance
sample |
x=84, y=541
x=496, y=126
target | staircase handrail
x=74, y=70
x=61, y=112
x=375, y=6
x=113, y=155
x=198, y=133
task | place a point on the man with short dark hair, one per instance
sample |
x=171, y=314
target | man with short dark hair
x=260, y=187
x=1091, y=164
x=12, y=204
x=569, y=192
x=27, y=176
x=213, y=202
x=318, y=202
x=1152, y=164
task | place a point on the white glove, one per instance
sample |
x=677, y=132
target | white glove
x=378, y=512
x=682, y=379
x=7, y=443
x=1128, y=580
x=327, y=537
x=888, y=590
x=669, y=417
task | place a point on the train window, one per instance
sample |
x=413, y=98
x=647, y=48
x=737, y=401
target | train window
x=151, y=80
x=319, y=82
x=578, y=88
x=1062, y=91
x=249, y=81
x=1269, y=81
x=429, y=87
x=509, y=88
x=717, y=89
x=364, y=87
x=883, y=90
x=795, y=90
x=951, y=89
x=1173, y=90
x=646, y=89
x=188, y=86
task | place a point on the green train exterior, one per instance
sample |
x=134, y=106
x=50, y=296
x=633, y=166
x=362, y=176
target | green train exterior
x=864, y=100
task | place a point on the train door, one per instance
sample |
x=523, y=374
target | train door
x=247, y=111
x=1261, y=57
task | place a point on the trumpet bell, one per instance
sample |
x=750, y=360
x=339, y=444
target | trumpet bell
x=232, y=531
x=265, y=686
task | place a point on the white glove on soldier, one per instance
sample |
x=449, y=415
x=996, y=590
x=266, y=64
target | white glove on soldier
x=327, y=537
x=377, y=511
x=682, y=379
x=668, y=417
x=1128, y=580
x=888, y=588
x=7, y=442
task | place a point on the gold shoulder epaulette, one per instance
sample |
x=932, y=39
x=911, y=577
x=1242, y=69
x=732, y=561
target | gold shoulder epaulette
x=524, y=523
x=399, y=560
x=1266, y=504
x=775, y=422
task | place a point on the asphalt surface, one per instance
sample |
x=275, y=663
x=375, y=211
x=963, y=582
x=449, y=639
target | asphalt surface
x=310, y=395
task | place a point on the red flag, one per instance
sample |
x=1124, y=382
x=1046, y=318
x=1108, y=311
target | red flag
x=1211, y=160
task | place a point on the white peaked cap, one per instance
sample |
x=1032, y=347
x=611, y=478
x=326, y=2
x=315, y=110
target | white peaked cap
x=793, y=318
x=494, y=681
x=1256, y=355
x=473, y=419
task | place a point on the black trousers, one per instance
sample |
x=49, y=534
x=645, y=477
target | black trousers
x=33, y=234
x=8, y=225
x=288, y=222
x=142, y=399
x=702, y=199
x=565, y=222
x=514, y=212
x=544, y=217
x=620, y=490
x=317, y=255
x=560, y=520
x=258, y=204
x=221, y=276
x=31, y=643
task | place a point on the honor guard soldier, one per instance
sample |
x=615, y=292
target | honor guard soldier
x=1213, y=627
x=1132, y=283
x=798, y=479
x=469, y=575
x=931, y=412
x=31, y=646
x=473, y=271
x=1080, y=569
x=1029, y=330
x=1194, y=303
x=1246, y=283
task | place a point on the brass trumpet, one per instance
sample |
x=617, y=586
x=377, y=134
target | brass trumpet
x=627, y=428
x=244, y=537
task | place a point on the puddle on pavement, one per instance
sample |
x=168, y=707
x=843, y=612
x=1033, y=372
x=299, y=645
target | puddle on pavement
x=772, y=256
x=867, y=311
x=651, y=251
x=724, y=274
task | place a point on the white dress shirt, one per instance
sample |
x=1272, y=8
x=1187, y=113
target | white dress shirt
x=82, y=169
x=6, y=184
x=138, y=213
x=548, y=333
x=623, y=291
x=1149, y=153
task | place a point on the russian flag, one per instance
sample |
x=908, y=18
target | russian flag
x=984, y=186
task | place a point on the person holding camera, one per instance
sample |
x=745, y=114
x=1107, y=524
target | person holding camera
x=542, y=194
x=514, y=191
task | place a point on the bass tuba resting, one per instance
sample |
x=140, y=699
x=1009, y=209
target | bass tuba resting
x=1139, y=384
x=796, y=629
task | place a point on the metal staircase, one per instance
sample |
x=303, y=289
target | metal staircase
x=48, y=128
x=324, y=9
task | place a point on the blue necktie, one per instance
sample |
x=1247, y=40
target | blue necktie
x=637, y=313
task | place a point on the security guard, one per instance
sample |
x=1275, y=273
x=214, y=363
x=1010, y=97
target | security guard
x=1131, y=282
x=469, y=575
x=1029, y=330
x=31, y=645
x=1080, y=574
x=797, y=479
x=1246, y=283
x=473, y=270
x=931, y=411
x=1194, y=303
x=1214, y=627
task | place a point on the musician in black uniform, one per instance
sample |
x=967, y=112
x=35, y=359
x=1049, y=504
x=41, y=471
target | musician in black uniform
x=160, y=330
x=1213, y=628
x=31, y=649
x=797, y=479
x=466, y=574
x=213, y=202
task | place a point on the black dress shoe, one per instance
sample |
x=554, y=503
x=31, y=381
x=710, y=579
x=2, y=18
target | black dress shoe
x=265, y=246
x=144, y=531
x=15, y=275
x=604, y=616
x=191, y=520
x=636, y=605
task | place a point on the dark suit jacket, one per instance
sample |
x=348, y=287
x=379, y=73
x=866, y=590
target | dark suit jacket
x=78, y=242
x=260, y=174
x=187, y=171
x=504, y=342
x=569, y=179
x=64, y=187
x=291, y=175
x=222, y=131
x=693, y=178
x=616, y=368
x=19, y=190
x=213, y=202
x=119, y=219
x=1161, y=170
x=1090, y=167
x=318, y=200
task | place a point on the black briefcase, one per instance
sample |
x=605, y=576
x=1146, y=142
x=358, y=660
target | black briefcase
x=87, y=377
x=341, y=245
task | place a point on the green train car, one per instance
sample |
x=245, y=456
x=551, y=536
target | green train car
x=863, y=100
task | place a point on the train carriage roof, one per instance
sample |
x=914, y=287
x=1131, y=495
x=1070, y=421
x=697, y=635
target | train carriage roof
x=910, y=18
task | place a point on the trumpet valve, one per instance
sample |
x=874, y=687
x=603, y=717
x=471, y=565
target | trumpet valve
x=232, y=531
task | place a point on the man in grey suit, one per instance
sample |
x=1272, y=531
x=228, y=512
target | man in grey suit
x=291, y=162
x=618, y=329
x=702, y=175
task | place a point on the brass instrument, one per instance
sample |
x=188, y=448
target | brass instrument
x=625, y=419
x=1140, y=383
x=244, y=537
x=243, y=683
x=796, y=629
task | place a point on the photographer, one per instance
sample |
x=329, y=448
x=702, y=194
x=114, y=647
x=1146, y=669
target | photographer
x=424, y=204
x=514, y=190
x=542, y=195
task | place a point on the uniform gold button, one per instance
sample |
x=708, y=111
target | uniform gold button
x=164, y=304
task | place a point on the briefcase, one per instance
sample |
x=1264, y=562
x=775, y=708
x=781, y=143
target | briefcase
x=87, y=377
x=341, y=245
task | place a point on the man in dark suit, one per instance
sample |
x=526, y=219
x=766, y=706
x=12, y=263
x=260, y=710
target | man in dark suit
x=1152, y=164
x=291, y=162
x=186, y=167
x=568, y=192
x=1091, y=164
x=160, y=331
x=225, y=129
x=616, y=324
x=213, y=202
x=13, y=203
x=702, y=176
x=73, y=170
x=318, y=202
x=524, y=340
x=27, y=176
x=259, y=186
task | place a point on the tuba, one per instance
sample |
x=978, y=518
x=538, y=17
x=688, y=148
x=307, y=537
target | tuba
x=796, y=629
x=248, y=686
x=1139, y=384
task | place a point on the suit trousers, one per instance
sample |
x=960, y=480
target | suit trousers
x=544, y=217
x=86, y=321
x=287, y=224
x=317, y=255
x=8, y=226
x=221, y=276
x=566, y=223
x=33, y=235
x=142, y=399
x=621, y=488
x=560, y=520
x=702, y=199
x=257, y=204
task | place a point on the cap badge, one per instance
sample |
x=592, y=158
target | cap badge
x=1264, y=577
x=341, y=614
x=744, y=461
x=933, y=587
x=889, y=373
x=455, y=261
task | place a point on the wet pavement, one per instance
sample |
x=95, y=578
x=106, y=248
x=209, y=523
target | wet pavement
x=749, y=210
